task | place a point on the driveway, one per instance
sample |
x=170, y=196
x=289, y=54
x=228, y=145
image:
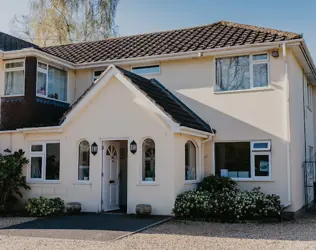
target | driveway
x=100, y=227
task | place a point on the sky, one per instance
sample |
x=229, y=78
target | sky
x=143, y=16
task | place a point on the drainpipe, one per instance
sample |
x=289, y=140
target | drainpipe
x=287, y=131
x=304, y=113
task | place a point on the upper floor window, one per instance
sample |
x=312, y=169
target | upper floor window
x=14, y=78
x=51, y=82
x=153, y=69
x=242, y=72
x=97, y=74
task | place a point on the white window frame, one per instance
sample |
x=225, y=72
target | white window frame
x=78, y=155
x=12, y=70
x=251, y=63
x=309, y=97
x=46, y=72
x=252, y=148
x=43, y=155
x=197, y=168
x=94, y=77
x=147, y=66
x=141, y=165
x=253, y=153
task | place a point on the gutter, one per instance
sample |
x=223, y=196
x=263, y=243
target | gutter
x=195, y=132
x=52, y=129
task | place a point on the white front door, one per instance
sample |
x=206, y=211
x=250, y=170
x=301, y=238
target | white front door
x=111, y=175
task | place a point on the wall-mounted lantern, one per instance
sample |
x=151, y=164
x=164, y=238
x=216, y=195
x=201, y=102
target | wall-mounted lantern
x=94, y=148
x=133, y=147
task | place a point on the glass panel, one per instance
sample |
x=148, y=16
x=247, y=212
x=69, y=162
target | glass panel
x=36, y=167
x=37, y=148
x=261, y=165
x=14, y=83
x=232, y=159
x=41, y=83
x=148, y=162
x=260, y=145
x=96, y=74
x=190, y=161
x=84, y=161
x=260, y=57
x=57, y=83
x=52, y=161
x=232, y=73
x=14, y=65
x=260, y=75
x=146, y=70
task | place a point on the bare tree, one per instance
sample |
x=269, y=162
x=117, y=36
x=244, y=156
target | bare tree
x=53, y=22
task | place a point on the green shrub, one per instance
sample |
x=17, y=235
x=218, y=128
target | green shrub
x=224, y=201
x=214, y=183
x=11, y=179
x=43, y=206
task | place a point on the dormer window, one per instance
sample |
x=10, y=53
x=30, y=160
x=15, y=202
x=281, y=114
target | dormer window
x=51, y=82
x=14, y=78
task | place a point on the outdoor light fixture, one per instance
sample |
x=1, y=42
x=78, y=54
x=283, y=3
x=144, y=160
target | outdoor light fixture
x=133, y=147
x=94, y=148
x=275, y=53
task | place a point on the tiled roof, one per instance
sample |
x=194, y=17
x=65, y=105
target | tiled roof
x=8, y=43
x=217, y=35
x=163, y=98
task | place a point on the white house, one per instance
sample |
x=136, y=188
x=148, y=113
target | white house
x=140, y=119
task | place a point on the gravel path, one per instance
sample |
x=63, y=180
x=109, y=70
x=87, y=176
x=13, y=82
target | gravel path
x=11, y=221
x=300, y=234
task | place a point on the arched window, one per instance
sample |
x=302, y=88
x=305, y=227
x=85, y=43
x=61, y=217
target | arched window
x=148, y=162
x=190, y=161
x=84, y=161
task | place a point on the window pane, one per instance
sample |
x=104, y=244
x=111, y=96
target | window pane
x=232, y=73
x=84, y=161
x=37, y=148
x=14, y=83
x=260, y=75
x=233, y=159
x=57, y=83
x=52, y=161
x=260, y=57
x=41, y=83
x=262, y=165
x=190, y=161
x=36, y=167
x=14, y=65
x=96, y=74
x=146, y=70
x=260, y=145
x=148, y=162
x=42, y=66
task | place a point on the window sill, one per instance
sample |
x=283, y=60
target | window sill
x=243, y=90
x=147, y=183
x=252, y=180
x=42, y=182
x=12, y=95
x=53, y=99
x=191, y=182
x=82, y=183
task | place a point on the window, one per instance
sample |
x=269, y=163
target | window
x=96, y=74
x=309, y=96
x=84, y=161
x=148, y=161
x=51, y=82
x=242, y=72
x=45, y=161
x=246, y=160
x=190, y=161
x=14, y=78
x=310, y=153
x=154, y=69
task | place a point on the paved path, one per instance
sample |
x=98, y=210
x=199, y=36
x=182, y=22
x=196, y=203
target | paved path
x=100, y=227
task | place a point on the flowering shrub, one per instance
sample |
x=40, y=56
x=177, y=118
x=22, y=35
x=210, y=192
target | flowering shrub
x=45, y=206
x=226, y=203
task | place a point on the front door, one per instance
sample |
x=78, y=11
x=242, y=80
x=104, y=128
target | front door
x=111, y=174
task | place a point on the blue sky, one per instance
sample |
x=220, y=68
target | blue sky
x=142, y=16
